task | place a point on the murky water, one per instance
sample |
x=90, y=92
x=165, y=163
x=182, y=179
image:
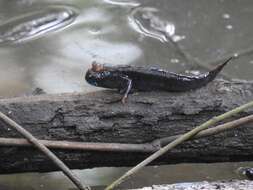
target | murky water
x=50, y=44
x=99, y=177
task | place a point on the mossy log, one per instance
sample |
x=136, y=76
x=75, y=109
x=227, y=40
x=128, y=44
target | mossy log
x=101, y=117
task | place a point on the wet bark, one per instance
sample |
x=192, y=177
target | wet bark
x=224, y=185
x=101, y=117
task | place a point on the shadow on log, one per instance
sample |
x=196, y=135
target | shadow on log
x=101, y=117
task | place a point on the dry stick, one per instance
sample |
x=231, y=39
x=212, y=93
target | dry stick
x=45, y=150
x=178, y=141
x=87, y=146
x=208, y=132
x=120, y=147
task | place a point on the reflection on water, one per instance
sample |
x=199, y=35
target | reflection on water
x=145, y=33
x=59, y=69
x=123, y=2
x=145, y=21
x=114, y=32
x=36, y=23
x=100, y=177
x=140, y=32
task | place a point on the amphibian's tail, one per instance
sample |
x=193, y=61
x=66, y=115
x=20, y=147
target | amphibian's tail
x=212, y=74
x=190, y=83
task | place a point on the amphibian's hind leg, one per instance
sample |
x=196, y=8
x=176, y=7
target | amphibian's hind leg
x=126, y=89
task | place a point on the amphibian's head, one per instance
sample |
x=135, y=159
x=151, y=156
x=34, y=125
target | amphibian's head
x=99, y=75
x=95, y=74
x=97, y=67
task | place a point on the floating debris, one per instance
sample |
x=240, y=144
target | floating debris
x=36, y=24
x=226, y=16
x=174, y=60
x=177, y=38
x=229, y=27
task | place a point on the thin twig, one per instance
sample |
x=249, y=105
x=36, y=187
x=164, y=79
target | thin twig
x=121, y=147
x=87, y=146
x=207, y=132
x=178, y=141
x=45, y=150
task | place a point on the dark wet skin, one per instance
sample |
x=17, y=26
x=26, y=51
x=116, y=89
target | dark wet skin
x=128, y=78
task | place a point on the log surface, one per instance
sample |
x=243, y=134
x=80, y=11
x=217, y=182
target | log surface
x=100, y=117
x=221, y=185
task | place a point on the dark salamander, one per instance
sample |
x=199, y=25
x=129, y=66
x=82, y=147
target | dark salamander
x=130, y=78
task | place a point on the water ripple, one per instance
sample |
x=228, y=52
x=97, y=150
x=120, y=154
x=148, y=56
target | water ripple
x=36, y=24
x=123, y=3
x=146, y=21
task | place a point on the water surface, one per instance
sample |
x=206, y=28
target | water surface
x=50, y=44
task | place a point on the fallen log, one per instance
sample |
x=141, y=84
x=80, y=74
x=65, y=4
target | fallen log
x=222, y=185
x=101, y=117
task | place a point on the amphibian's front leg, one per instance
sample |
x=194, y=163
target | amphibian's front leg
x=126, y=88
